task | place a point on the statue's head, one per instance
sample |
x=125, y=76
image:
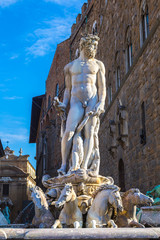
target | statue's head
x=89, y=44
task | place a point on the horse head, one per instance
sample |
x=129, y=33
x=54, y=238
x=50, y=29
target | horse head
x=65, y=196
x=135, y=197
x=38, y=197
x=115, y=200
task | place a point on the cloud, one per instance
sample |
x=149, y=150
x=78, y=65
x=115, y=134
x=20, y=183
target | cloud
x=3, y=88
x=9, y=120
x=66, y=2
x=14, y=56
x=12, y=137
x=12, y=98
x=47, y=37
x=13, y=129
x=7, y=3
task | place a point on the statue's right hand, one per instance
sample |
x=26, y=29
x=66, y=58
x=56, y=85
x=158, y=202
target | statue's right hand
x=61, y=107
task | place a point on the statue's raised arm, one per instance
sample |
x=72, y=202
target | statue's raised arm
x=67, y=92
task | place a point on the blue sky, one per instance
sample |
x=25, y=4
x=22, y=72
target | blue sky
x=30, y=31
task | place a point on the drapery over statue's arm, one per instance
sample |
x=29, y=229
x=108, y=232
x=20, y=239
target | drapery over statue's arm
x=99, y=108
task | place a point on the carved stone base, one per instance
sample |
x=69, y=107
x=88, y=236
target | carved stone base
x=76, y=177
x=83, y=184
x=149, y=216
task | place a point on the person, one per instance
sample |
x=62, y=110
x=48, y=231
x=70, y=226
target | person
x=85, y=91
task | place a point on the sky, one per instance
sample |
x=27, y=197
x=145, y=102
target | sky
x=29, y=33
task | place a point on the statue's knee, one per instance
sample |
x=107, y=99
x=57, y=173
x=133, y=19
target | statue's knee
x=69, y=135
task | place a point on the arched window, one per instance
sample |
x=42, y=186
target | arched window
x=57, y=90
x=118, y=80
x=47, y=120
x=128, y=49
x=144, y=24
x=101, y=19
x=109, y=89
x=49, y=102
x=121, y=175
x=117, y=71
x=94, y=28
x=109, y=94
x=143, y=124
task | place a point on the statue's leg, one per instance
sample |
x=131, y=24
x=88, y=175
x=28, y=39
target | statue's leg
x=94, y=163
x=136, y=224
x=89, y=140
x=76, y=224
x=75, y=115
x=111, y=224
x=89, y=132
x=57, y=224
x=93, y=223
x=77, y=151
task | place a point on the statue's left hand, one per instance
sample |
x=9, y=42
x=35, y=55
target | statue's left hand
x=98, y=109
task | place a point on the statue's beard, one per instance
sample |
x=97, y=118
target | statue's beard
x=89, y=53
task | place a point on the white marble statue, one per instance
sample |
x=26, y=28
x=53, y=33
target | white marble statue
x=43, y=217
x=130, y=199
x=85, y=92
x=106, y=204
x=70, y=216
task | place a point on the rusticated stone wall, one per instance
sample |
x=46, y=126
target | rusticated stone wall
x=141, y=161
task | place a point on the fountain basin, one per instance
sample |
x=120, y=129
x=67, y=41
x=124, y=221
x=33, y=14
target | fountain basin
x=85, y=233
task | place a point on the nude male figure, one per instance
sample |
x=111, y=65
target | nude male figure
x=85, y=91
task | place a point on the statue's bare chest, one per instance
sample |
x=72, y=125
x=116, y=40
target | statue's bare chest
x=83, y=67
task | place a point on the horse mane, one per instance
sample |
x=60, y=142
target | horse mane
x=39, y=191
x=132, y=190
x=105, y=187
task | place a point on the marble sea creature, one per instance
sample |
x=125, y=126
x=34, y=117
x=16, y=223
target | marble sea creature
x=70, y=216
x=130, y=199
x=43, y=217
x=107, y=199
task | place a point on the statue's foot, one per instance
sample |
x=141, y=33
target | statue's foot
x=61, y=171
x=92, y=173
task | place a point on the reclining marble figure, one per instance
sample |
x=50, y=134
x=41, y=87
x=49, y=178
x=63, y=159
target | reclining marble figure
x=85, y=92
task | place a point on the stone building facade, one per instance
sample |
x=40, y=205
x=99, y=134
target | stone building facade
x=17, y=175
x=129, y=34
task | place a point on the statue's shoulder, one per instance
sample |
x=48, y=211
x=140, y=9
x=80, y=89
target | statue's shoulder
x=101, y=65
x=68, y=66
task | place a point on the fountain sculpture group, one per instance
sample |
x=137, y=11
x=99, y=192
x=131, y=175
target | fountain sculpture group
x=88, y=199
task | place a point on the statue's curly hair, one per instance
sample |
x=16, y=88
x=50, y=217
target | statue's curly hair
x=87, y=38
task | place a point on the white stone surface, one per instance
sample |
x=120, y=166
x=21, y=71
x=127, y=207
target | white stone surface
x=97, y=233
x=3, y=220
